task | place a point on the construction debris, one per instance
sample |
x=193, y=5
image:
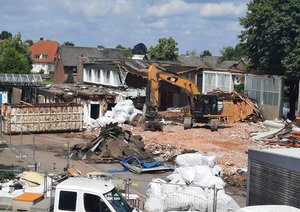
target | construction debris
x=152, y=118
x=244, y=108
x=123, y=112
x=112, y=144
x=279, y=133
x=192, y=187
x=136, y=166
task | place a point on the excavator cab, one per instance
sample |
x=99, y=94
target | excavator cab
x=205, y=105
x=208, y=109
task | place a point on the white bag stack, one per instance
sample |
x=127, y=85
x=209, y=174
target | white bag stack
x=191, y=187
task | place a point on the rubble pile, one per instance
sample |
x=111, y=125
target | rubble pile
x=166, y=152
x=244, y=108
x=113, y=143
x=279, y=133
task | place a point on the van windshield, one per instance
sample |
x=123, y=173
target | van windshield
x=118, y=201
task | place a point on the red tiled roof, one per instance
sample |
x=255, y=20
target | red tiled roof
x=44, y=47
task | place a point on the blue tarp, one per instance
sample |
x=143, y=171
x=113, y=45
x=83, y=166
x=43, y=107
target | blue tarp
x=132, y=159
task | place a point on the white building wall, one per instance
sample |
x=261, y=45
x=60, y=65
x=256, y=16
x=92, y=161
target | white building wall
x=46, y=67
x=267, y=91
x=104, y=77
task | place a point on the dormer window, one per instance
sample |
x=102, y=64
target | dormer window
x=41, y=56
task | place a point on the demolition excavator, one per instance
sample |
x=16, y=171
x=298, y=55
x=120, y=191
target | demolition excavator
x=203, y=108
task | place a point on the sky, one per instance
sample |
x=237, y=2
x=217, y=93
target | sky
x=196, y=25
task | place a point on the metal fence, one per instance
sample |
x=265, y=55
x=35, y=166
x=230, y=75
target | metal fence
x=26, y=144
x=176, y=197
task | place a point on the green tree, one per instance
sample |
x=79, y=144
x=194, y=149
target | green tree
x=70, y=78
x=272, y=37
x=15, y=57
x=68, y=43
x=126, y=51
x=5, y=35
x=166, y=49
x=233, y=53
x=29, y=42
x=191, y=53
x=139, y=48
x=205, y=53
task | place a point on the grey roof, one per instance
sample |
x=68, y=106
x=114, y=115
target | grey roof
x=70, y=54
x=227, y=64
x=193, y=61
x=211, y=61
x=197, y=61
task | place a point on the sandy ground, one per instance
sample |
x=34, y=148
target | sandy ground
x=230, y=143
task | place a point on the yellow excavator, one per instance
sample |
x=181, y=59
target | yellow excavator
x=203, y=108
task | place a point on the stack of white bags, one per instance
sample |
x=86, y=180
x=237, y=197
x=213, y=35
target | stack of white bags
x=121, y=113
x=190, y=187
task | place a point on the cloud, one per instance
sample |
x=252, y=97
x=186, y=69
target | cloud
x=100, y=8
x=170, y=8
x=222, y=9
x=159, y=24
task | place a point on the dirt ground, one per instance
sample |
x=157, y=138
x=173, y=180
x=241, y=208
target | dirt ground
x=229, y=144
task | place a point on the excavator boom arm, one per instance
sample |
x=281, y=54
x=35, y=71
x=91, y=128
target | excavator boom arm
x=154, y=76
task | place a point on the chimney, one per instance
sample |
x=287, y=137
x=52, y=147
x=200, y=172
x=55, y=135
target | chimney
x=41, y=38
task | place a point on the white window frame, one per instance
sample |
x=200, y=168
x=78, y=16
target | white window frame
x=266, y=90
x=215, y=83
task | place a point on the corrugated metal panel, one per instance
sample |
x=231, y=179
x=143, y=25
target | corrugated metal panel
x=271, y=184
x=42, y=118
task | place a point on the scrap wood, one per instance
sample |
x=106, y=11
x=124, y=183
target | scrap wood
x=287, y=144
x=113, y=143
x=244, y=108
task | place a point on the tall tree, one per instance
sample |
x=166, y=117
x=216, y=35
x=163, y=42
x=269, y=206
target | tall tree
x=166, y=49
x=139, y=48
x=126, y=51
x=233, y=53
x=29, y=42
x=191, y=53
x=272, y=37
x=5, y=35
x=68, y=43
x=15, y=57
x=205, y=53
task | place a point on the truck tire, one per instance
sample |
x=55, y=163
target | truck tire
x=187, y=123
x=214, y=124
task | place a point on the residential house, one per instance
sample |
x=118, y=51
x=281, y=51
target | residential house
x=101, y=68
x=44, y=55
x=71, y=58
x=207, y=77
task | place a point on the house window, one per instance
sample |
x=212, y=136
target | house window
x=263, y=89
x=74, y=70
x=89, y=75
x=271, y=91
x=41, y=56
x=253, y=87
x=210, y=81
x=224, y=82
